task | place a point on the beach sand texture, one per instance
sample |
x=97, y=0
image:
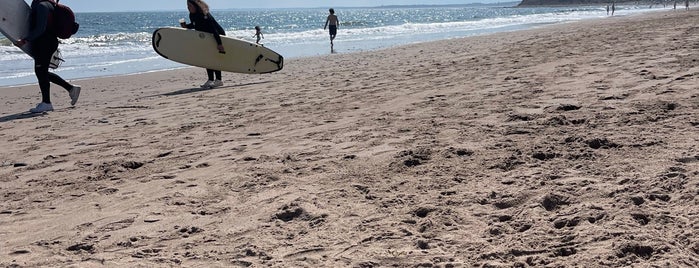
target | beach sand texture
x=572, y=145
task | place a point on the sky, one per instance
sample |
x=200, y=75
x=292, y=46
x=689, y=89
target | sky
x=151, y=5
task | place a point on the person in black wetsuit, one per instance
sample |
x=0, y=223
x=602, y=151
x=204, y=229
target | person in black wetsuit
x=201, y=20
x=44, y=44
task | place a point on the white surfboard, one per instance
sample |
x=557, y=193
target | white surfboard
x=199, y=49
x=14, y=21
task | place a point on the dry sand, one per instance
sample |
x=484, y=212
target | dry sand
x=573, y=145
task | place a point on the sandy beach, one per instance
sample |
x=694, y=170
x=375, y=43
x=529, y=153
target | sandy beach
x=572, y=145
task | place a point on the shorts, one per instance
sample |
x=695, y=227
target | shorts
x=333, y=29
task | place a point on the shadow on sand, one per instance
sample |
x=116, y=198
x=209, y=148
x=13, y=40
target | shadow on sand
x=195, y=90
x=25, y=115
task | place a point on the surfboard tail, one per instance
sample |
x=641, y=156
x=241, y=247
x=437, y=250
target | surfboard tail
x=279, y=62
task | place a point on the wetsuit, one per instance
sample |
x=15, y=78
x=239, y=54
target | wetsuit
x=207, y=23
x=44, y=44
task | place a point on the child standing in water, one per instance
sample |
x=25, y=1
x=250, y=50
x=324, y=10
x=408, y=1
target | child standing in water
x=258, y=34
x=333, y=23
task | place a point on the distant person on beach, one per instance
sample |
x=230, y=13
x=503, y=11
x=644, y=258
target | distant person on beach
x=333, y=23
x=686, y=4
x=201, y=20
x=613, y=9
x=607, y=10
x=258, y=34
x=44, y=44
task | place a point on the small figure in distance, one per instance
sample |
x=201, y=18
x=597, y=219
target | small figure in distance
x=203, y=21
x=258, y=34
x=333, y=23
x=44, y=44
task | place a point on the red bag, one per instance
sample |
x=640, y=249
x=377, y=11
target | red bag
x=63, y=20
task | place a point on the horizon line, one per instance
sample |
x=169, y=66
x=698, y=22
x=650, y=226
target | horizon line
x=317, y=7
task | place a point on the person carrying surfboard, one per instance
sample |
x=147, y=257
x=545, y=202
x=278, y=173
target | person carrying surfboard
x=201, y=20
x=333, y=23
x=44, y=44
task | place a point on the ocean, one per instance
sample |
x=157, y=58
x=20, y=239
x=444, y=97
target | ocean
x=119, y=43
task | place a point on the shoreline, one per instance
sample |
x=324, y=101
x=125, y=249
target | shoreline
x=351, y=47
x=567, y=145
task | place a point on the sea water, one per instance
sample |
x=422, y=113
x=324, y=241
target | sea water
x=111, y=44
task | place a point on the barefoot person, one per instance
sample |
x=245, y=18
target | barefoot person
x=44, y=43
x=333, y=23
x=258, y=34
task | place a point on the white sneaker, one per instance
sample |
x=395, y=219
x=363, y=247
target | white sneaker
x=74, y=94
x=208, y=85
x=42, y=108
x=218, y=83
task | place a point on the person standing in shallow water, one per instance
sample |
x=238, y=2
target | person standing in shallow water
x=44, y=44
x=258, y=34
x=332, y=23
x=201, y=20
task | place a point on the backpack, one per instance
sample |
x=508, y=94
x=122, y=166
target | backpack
x=64, y=24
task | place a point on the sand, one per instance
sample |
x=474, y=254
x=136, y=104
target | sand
x=572, y=145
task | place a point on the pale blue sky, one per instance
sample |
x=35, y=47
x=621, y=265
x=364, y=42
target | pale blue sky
x=147, y=5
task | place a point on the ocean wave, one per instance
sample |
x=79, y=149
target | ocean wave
x=111, y=39
x=349, y=32
x=118, y=43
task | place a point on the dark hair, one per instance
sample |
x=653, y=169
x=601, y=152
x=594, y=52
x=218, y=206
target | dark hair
x=332, y=11
x=200, y=6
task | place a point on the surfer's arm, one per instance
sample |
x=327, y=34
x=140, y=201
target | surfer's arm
x=218, y=39
x=41, y=21
x=214, y=29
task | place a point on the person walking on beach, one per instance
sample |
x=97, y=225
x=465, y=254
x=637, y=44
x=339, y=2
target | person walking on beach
x=201, y=20
x=333, y=23
x=44, y=43
x=258, y=34
x=613, y=8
